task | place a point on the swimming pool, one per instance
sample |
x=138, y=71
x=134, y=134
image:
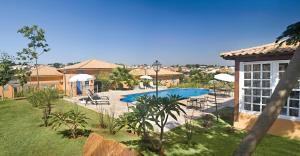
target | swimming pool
x=184, y=93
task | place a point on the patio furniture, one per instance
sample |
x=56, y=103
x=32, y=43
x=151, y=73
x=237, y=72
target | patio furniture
x=95, y=94
x=152, y=85
x=95, y=99
x=141, y=85
x=191, y=102
x=202, y=101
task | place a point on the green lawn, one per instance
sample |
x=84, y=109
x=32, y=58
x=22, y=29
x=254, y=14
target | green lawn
x=21, y=133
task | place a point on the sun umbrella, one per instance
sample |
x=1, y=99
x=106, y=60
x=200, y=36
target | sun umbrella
x=146, y=77
x=81, y=77
x=224, y=77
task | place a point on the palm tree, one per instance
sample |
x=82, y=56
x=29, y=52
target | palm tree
x=291, y=36
x=120, y=76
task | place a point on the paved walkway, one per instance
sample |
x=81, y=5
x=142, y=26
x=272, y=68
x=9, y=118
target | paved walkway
x=118, y=107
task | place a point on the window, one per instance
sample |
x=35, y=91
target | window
x=258, y=80
x=291, y=107
x=256, y=87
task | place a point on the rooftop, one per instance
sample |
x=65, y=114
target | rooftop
x=92, y=64
x=45, y=71
x=263, y=50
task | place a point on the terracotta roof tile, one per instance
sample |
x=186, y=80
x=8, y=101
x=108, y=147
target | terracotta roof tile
x=92, y=64
x=45, y=71
x=267, y=49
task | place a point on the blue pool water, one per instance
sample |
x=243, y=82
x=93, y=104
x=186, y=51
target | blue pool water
x=184, y=93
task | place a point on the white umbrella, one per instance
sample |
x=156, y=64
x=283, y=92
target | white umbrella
x=146, y=77
x=81, y=77
x=224, y=77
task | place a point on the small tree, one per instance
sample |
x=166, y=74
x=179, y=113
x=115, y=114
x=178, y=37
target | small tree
x=22, y=76
x=138, y=120
x=49, y=95
x=44, y=99
x=6, y=72
x=162, y=109
x=74, y=120
x=35, y=98
x=36, y=46
x=142, y=112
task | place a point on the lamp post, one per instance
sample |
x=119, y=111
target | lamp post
x=156, y=66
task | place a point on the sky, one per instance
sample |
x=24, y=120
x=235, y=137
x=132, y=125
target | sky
x=141, y=31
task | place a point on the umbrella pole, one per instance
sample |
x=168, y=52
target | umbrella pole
x=216, y=102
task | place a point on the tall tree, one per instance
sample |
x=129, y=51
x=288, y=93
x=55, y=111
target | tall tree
x=6, y=71
x=291, y=36
x=36, y=46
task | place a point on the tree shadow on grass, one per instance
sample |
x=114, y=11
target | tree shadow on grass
x=80, y=133
x=216, y=140
x=219, y=139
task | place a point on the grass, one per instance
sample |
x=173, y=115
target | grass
x=21, y=133
x=221, y=140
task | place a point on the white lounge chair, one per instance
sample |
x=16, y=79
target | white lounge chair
x=95, y=99
x=141, y=85
x=152, y=85
x=94, y=94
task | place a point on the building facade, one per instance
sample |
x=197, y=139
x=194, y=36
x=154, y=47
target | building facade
x=92, y=67
x=257, y=72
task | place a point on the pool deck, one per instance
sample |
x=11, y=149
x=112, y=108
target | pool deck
x=118, y=107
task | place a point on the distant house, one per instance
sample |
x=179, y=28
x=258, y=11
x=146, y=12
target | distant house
x=165, y=77
x=257, y=72
x=10, y=90
x=91, y=67
x=48, y=77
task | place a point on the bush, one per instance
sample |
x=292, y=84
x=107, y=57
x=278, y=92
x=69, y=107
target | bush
x=127, y=120
x=73, y=119
x=102, y=118
x=43, y=99
x=113, y=123
x=207, y=120
x=35, y=98
x=189, y=129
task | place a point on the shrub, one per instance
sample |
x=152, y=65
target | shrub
x=207, y=120
x=43, y=99
x=113, y=123
x=102, y=117
x=73, y=119
x=189, y=129
x=127, y=120
x=35, y=98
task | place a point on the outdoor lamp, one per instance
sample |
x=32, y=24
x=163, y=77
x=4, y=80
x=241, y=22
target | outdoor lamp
x=156, y=66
